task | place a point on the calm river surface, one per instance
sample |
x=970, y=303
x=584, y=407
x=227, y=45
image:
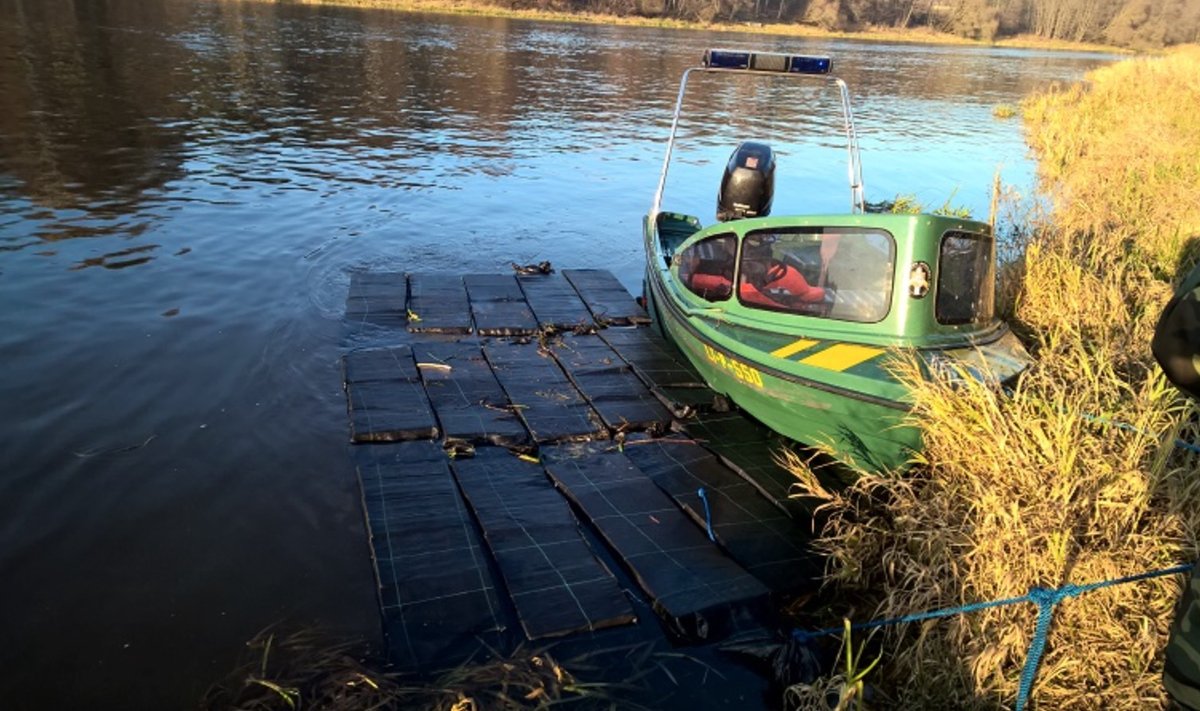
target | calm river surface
x=185, y=188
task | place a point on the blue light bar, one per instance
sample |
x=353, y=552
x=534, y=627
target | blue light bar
x=765, y=61
x=810, y=65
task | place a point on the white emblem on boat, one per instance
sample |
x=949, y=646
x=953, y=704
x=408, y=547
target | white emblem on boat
x=918, y=280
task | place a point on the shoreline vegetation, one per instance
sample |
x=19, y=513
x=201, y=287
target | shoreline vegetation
x=481, y=8
x=1074, y=477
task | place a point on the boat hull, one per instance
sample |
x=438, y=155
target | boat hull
x=865, y=429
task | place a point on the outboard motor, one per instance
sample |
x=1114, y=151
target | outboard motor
x=748, y=185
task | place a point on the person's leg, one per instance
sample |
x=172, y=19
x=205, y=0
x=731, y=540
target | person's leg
x=1181, y=670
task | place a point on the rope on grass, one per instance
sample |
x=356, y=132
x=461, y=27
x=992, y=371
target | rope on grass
x=1179, y=441
x=1100, y=419
x=1045, y=598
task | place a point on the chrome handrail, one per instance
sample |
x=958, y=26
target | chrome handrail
x=857, y=198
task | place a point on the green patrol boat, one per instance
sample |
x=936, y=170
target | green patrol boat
x=794, y=318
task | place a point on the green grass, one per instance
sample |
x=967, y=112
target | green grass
x=910, y=205
x=843, y=691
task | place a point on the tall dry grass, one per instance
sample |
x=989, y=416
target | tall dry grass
x=1073, y=477
x=1119, y=155
x=306, y=670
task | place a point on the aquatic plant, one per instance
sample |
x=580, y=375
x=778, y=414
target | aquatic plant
x=910, y=205
x=302, y=670
x=843, y=691
x=1073, y=475
x=1004, y=111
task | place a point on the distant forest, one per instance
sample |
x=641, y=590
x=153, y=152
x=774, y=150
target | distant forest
x=1125, y=23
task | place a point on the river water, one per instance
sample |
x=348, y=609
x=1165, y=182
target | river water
x=185, y=187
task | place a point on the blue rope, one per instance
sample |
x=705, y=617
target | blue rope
x=1100, y=419
x=1044, y=598
x=1179, y=441
x=707, y=514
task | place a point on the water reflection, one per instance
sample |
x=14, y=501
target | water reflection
x=116, y=260
x=122, y=107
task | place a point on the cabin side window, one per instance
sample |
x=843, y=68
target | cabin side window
x=965, y=292
x=706, y=267
x=837, y=273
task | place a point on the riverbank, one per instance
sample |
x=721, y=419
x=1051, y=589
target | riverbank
x=882, y=34
x=1075, y=477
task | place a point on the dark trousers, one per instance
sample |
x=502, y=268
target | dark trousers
x=1181, y=670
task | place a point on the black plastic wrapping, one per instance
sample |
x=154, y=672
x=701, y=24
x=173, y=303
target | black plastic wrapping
x=606, y=298
x=385, y=397
x=377, y=299
x=470, y=405
x=755, y=532
x=546, y=401
x=610, y=385
x=438, y=304
x=555, y=583
x=555, y=303
x=438, y=599
x=498, y=305
x=692, y=584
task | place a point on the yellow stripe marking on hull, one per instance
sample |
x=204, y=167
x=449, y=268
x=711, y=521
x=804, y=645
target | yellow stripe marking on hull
x=792, y=349
x=842, y=356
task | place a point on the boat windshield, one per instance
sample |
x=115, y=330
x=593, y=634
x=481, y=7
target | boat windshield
x=706, y=267
x=833, y=272
x=964, y=285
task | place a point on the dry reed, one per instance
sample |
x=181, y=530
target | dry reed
x=1004, y=111
x=1072, y=477
x=304, y=670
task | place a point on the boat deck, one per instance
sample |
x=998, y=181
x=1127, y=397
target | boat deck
x=536, y=463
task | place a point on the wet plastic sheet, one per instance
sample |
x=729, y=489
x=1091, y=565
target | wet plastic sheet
x=606, y=298
x=436, y=592
x=655, y=360
x=609, y=384
x=555, y=583
x=759, y=536
x=551, y=407
x=555, y=302
x=470, y=404
x=749, y=449
x=498, y=305
x=662, y=368
x=385, y=397
x=439, y=302
x=693, y=584
x=646, y=671
x=378, y=299
x=685, y=402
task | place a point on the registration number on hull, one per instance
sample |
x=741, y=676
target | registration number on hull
x=737, y=369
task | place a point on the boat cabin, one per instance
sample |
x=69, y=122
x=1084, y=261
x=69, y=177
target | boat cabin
x=913, y=280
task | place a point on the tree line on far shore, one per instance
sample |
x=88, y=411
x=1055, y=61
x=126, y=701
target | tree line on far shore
x=1125, y=23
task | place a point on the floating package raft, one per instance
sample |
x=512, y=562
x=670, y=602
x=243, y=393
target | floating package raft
x=537, y=464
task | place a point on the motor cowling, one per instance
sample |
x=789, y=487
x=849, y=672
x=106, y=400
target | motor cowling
x=748, y=185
